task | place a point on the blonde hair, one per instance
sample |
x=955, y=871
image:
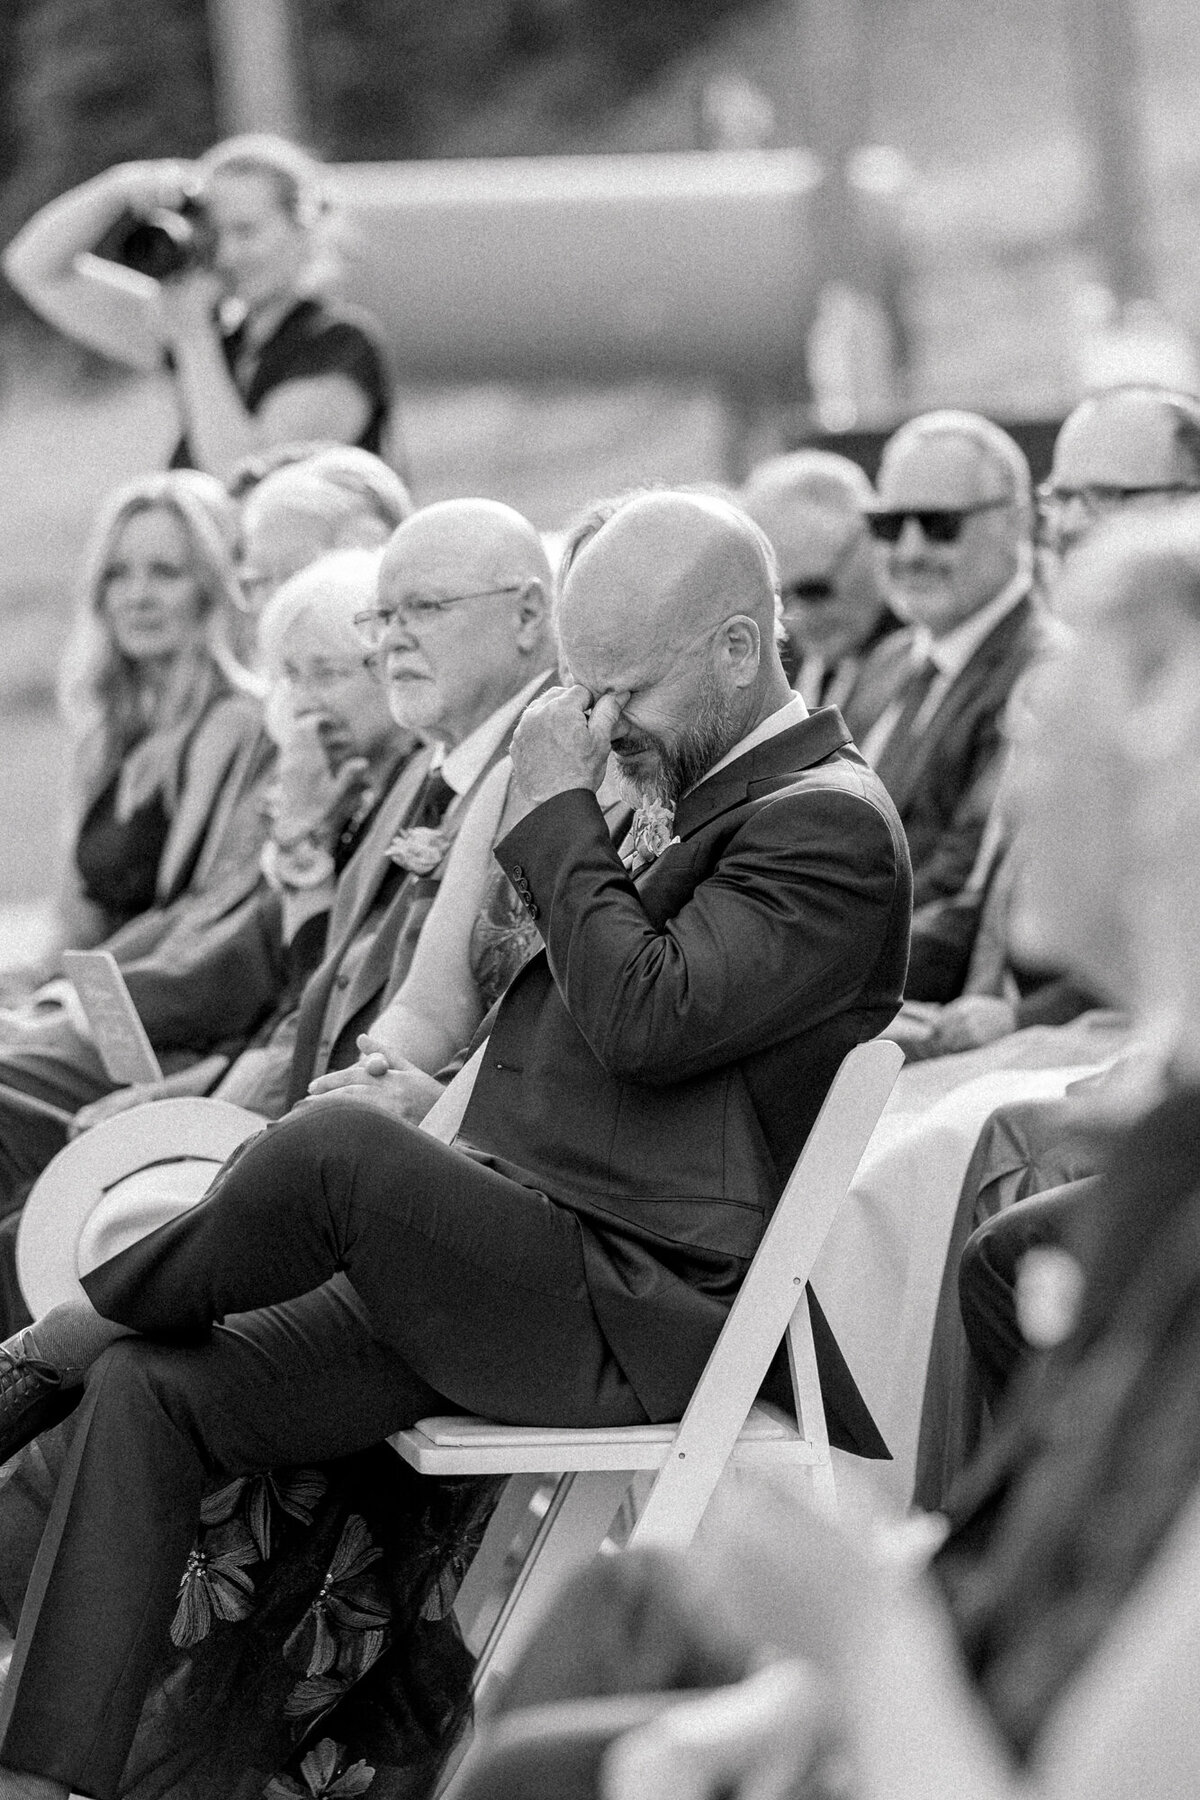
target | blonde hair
x=111, y=709
x=297, y=177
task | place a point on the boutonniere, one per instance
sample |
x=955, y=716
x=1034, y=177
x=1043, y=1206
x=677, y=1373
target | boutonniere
x=421, y=849
x=652, y=829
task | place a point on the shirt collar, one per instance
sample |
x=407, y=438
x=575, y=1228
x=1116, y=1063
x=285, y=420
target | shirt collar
x=951, y=653
x=462, y=766
x=792, y=712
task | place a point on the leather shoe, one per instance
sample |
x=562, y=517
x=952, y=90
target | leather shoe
x=32, y=1397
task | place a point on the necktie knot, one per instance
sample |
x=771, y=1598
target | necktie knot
x=436, y=795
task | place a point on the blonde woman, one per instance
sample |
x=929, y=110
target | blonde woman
x=157, y=708
x=259, y=355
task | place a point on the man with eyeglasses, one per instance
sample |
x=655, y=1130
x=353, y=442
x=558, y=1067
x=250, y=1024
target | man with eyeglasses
x=812, y=505
x=460, y=634
x=954, y=524
x=1125, y=447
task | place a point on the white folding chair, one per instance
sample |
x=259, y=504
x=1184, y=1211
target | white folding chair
x=722, y=1425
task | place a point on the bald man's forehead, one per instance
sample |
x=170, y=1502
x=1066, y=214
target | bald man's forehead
x=1126, y=441
x=462, y=543
x=941, y=469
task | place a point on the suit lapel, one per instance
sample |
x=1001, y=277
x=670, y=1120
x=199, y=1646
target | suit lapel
x=991, y=661
x=375, y=970
x=783, y=755
x=367, y=867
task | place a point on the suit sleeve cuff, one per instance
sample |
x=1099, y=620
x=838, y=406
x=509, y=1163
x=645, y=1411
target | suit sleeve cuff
x=533, y=852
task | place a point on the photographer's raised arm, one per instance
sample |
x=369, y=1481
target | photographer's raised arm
x=53, y=266
x=253, y=251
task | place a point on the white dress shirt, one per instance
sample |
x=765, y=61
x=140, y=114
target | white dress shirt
x=462, y=766
x=792, y=712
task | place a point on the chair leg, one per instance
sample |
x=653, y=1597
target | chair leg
x=824, y=1488
x=575, y=1525
x=484, y=1584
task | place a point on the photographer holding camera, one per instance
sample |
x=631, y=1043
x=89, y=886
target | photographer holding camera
x=214, y=268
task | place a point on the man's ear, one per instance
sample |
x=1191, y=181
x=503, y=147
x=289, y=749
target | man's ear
x=741, y=645
x=532, y=610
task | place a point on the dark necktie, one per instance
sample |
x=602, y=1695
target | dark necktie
x=432, y=801
x=896, y=758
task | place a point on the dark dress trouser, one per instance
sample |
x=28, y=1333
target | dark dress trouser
x=70, y=1078
x=368, y=1276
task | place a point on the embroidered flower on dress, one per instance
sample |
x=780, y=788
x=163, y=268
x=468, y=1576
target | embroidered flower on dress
x=421, y=849
x=215, y=1584
x=295, y=1492
x=344, y=1626
x=319, y=1772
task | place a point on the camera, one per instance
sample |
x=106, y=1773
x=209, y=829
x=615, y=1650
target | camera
x=163, y=243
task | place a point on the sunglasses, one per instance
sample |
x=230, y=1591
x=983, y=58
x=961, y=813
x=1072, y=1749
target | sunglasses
x=937, y=524
x=812, y=593
x=817, y=590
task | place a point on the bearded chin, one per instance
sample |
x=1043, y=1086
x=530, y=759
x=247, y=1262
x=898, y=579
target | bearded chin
x=712, y=732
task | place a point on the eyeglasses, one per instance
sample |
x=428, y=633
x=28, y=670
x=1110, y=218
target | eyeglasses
x=374, y=625
x=817, y=590
x=1100, y=496
x=321, y=677
x=938, y=524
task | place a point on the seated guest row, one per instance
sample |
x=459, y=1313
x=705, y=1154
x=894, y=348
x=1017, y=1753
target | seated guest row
x=301, y=968
x=650, y=1076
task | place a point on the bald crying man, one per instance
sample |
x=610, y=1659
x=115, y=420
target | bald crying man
x=570, y=1258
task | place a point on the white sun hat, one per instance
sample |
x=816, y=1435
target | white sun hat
x=115, y=1184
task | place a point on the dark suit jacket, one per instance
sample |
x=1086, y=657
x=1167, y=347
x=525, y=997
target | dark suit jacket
x=337, y=1005
x=944, y=785
x=658, y=1067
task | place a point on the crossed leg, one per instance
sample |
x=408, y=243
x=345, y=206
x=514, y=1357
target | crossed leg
x=367, y=1276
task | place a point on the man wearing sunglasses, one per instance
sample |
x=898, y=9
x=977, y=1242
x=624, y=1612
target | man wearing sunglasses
x=813, y=506
x=954, y=526
x=1129, y=446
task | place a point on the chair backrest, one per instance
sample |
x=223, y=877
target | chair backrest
x=446, y=1114
x=774, y=1286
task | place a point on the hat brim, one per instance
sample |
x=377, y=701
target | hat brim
x=74, y=1194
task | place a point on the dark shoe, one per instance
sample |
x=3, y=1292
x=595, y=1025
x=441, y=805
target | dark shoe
x=32, y=1397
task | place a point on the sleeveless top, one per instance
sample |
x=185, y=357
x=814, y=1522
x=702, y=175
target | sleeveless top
x=118, y=859
x=314, y=338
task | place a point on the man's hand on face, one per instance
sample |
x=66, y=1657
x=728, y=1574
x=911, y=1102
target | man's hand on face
x=562, y=741
x=309, y=799
x=384, y=1080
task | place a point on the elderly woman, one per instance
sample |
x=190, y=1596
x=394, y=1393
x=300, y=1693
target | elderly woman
x=157, y=708
x=1057, y=1652
x=257, y=353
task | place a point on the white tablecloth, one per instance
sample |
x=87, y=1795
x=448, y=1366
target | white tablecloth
x=880, y=1272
